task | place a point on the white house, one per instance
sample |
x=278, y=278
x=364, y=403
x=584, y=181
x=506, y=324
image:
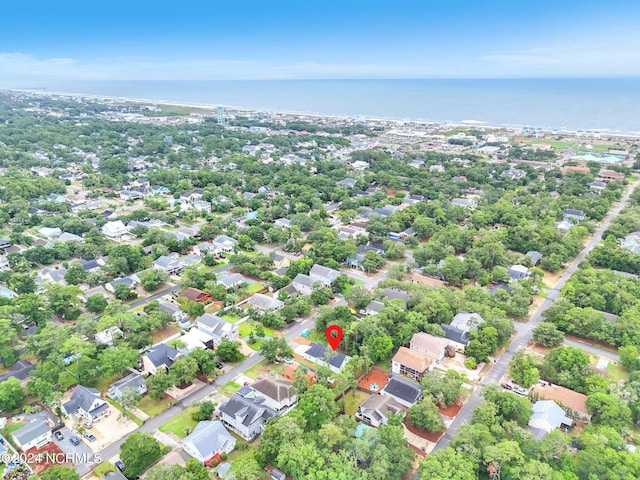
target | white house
x=107, y=337
x=324, y=275
x=133, y=380
x=114, y=229
x=36, y=434
x=277, y=391
x=86, y=403
x=217, y=328
x=245, y=415
x=208, y=439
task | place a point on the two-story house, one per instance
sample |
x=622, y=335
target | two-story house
x=86, y=403
x=245, y=415
x=217, y=328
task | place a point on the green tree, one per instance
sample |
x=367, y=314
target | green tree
x=123, y=292
x=424, y=415
x=130, y=398
x=205, y=358
x=524, y=369
x=229, y=351
x=33, y=307
x=608, y=410
x=547, y=335
x=629, y=357
x=151, y=278
x=115, y=360
x=158, y=384
x=246, y=467
x=11, y=394
x=204, y=411
x=358, y=296
x=138, y=451
x=317, y=406
x=184, y=370
x=276, y=349
x=8, y=343
x=448, y=464
x=96, y=303
x=59, y=472
x=443, y=389
x=379, y=347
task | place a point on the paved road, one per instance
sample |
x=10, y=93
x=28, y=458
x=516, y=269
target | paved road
x=524, y=331
x=590, y=348
x=153, y=297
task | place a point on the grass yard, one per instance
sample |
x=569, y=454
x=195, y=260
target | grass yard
x=247, y=327
x=348, y=287
x=352, y=402
x=151, y=406
x=230, y=317
x=130, y=415
x=178, y=423
x=102, y=469
x=616, y=373
x=264, y=367
x=255, y=346
x=165, y=332
x=228, y=389
x=254, y=288
x=10, y=428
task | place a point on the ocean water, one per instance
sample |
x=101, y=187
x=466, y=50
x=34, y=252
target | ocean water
x=604, y=104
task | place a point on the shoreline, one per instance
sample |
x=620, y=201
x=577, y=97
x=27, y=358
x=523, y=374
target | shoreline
x=203, y=106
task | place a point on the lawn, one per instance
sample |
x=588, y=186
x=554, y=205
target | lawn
x=616, y=373
x=130, y=415
x=254, y=288
x=265, y=367
x=178, y=423
x=165, y=332
x=230, y=317
x=229, y=389
x=10, y=428
x=102, y=469
x=348, y=287
x=247, y=327
x=151, y=406
x=352, y=402
x=255, y=346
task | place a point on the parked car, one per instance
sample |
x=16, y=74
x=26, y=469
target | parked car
x=87, y=424
x=89, y=436
x=74, y=440
x=506, y=386
x=58, y=435
x=305, y=333
x=120, y=466
x=288, y=360
x=520, y=390
x=219, y=365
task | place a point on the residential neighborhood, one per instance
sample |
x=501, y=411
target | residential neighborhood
x=170, y=293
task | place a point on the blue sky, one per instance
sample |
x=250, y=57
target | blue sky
x=281, y=39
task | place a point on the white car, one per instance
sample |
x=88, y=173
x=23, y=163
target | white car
x=520, y=390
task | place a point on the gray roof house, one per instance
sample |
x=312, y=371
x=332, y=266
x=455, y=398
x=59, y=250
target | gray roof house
x=376, y=409
x=547, y=416
x=277, y=391
x=573, y=214
x=374, y=307
x=33, y=435
x=159, y=356
x=231, y=280
x=224, y=244
x=316, y=353
x=246, y=416
x=303, y=283
x=264, y=303
x=459, y=338
x=392, y=294
x=19, y=370
x=402, y=390
x=518, y=272
x=87, y=403
x=217, y=328
x=207, y=440
x=466, y=321
x=464, y=203
x=133, y=380
x=534, y=257
x=324, y=275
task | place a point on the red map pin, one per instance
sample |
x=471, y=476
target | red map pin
x=334, y=335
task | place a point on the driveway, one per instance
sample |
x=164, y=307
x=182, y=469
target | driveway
x=81, y=451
